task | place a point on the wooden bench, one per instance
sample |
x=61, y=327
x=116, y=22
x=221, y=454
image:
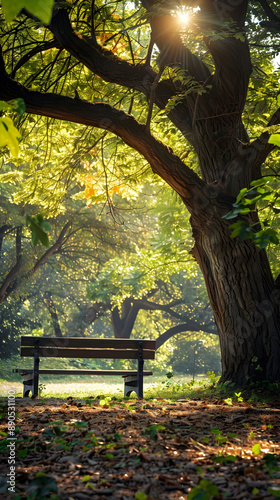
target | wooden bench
x=76, y=347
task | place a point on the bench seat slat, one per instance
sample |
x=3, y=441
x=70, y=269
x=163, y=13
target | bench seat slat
x=81, y=342
x=58, y=352
x=50, y=371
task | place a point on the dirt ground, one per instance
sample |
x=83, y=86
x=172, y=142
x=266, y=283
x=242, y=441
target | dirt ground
x=142, y=450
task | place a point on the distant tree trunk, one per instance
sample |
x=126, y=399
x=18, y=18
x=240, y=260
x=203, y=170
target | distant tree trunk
x=123, y=321
x=53, y=313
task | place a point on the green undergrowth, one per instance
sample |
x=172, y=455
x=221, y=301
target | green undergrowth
x=171, y=387
x=209, y=388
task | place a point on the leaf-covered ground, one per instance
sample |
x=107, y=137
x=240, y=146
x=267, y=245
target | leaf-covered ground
x=143, y=450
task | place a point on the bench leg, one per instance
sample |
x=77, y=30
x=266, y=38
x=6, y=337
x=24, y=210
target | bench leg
x=130, y=385
x=140, y=372
x=36, y=368
x=28, y=384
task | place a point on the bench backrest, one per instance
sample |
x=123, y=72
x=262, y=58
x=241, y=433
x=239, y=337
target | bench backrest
x=76, y=347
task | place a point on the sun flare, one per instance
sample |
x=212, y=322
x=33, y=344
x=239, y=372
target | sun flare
x=184, y=15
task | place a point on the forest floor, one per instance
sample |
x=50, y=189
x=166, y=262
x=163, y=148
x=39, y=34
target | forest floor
x=136, y=449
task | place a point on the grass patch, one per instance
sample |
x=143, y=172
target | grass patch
x=81, y=387
x=170, y=387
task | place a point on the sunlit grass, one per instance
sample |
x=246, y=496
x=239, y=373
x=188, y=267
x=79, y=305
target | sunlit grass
x=155, y=388
x=86, y=387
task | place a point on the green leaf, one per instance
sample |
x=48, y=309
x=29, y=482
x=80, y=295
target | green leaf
x=256, y=449
x=9, y=135
x=86, y=479
x=261, y=182
x=4, y=106
x=204, y=491
x=42, y=485
x=224, y=458
x=241, y=194
x=23, y=453
x=18, y=106
x=198, y=494
x=274, y=139
x=39, y=8
x=140, y=496
x=228, y=401
x=11, y=9
x=38, y=234
x=274, y=492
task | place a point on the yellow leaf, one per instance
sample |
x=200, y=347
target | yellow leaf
x=9, y=135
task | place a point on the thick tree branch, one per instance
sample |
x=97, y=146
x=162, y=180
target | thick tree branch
x=162, y=160
x=166, y=35
x=189, y=326
x=112, y=69
x=146, y=305
x=231, y=55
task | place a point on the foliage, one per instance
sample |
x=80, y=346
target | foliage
x=42, y=10
x=15, y=321
x=196, y=355
x=9, y=134
x=38, y=228
x=204, y=491
x=263, y=193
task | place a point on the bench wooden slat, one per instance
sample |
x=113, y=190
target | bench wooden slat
x=88, y=343
x=58, y=352
x=55, y=371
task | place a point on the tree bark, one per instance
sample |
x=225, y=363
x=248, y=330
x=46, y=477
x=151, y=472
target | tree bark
x=245, y=302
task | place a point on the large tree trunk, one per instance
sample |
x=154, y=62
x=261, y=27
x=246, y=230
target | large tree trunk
x=244, y=299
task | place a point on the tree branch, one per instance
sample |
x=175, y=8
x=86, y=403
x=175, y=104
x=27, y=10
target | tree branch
x=189, y=326
x=162, y=160
x=166, y=36
x=260, y=148
x=11, y=284
x=112, y=69
x=4, y=290
x=3, y=230
x=146, y=305
x=269, y=12
x=39, y=48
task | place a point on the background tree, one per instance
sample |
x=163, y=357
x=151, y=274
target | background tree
x=93, y=65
